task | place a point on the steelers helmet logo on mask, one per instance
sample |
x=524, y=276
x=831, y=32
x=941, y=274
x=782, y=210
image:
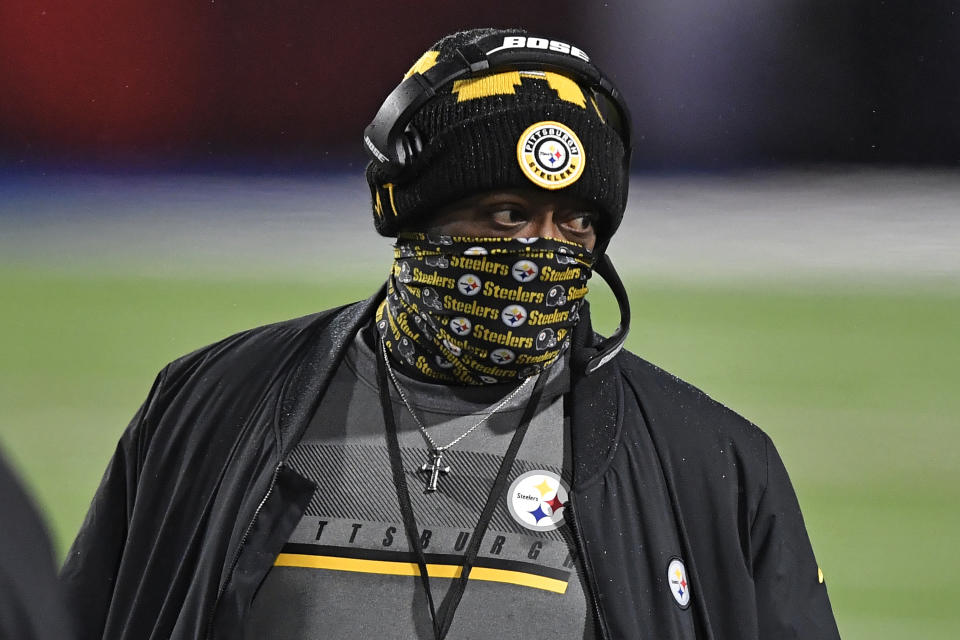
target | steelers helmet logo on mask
x=546, y=339
x=430, y=299
x=437, y=239
x=424, y=327
x=405, y=276
x=556, y=296
x=529, y=370
x=563, y=256
x=406, y=349
x=440, y=262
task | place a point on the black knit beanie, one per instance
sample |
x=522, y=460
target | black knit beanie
x=515, y=129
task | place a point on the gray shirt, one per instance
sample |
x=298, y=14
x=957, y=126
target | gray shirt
x=348, y=571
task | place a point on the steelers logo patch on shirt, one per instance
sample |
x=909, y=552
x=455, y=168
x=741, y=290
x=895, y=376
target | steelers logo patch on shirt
x=550, y=155
x=536, y=500
x=679, y=585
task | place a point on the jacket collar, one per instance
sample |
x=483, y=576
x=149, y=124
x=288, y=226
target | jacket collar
x=595, y=407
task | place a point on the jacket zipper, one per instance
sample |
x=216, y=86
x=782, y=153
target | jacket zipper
x=588, y=570
x=236, y=554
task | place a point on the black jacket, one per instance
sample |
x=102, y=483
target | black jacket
x=197, y=501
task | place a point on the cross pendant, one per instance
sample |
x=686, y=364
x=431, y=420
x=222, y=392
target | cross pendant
x=435, y=467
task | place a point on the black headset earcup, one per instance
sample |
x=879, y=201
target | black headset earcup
x=409, y=146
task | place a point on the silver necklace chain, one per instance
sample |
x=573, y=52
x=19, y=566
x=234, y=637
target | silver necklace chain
x=416, y=418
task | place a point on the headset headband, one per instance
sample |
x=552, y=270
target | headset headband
x=384, y=138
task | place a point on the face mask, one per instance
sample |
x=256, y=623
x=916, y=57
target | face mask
x=467, y=310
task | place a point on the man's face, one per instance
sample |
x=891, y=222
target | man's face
x=518, y=213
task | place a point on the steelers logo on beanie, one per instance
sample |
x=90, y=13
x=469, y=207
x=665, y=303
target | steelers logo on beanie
x=551, y=155
x=523, y=128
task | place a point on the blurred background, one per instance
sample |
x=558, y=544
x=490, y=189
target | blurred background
x=174, y=172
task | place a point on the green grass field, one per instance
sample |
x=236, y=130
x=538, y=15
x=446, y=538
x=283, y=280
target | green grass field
x=858, y=385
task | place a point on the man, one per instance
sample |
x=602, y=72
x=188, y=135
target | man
x=31, y=607
x=460, y=455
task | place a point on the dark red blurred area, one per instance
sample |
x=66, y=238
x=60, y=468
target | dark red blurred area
x=711, y=85
x=119, y=76
x=111, y=74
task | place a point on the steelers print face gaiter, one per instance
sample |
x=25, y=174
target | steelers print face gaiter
x=468, y=310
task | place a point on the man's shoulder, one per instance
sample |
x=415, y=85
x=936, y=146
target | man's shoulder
x=269, y=339
x=685, y=417
x=259, y=350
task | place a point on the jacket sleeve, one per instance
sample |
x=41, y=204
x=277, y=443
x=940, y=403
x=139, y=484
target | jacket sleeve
x=792, y=600
x=90, y=569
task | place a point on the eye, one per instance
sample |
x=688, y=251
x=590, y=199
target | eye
x=580, y=222
x=507, y=216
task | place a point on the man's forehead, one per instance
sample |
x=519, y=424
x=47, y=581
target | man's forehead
x=531, y=197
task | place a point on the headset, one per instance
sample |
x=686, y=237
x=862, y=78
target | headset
x=393, y=143
x=595, y=357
